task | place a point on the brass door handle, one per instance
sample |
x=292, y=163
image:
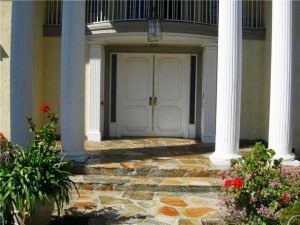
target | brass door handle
x=155, y=100
x=150, y=101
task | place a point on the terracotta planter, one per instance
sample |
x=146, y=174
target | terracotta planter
x=41, y=215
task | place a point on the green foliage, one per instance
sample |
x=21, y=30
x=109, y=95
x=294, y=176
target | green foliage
x=267, y=188
x=36, y=173
x=289, y=212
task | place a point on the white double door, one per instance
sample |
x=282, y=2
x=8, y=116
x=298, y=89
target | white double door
x=153, y=94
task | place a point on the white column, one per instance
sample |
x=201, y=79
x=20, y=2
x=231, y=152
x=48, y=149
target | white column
x=96, y=92
x=72, y=79
x=280, y=124
x=229, y=82
x=21, y=69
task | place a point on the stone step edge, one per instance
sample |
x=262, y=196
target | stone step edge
x=145, y=183
x=126, y=179
x=80, y=218
x=144, y=171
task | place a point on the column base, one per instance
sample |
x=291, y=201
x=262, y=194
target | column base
x=223, y=159
x=285, y=157
x=291, y=163
x=94, y=136
x=81, y=158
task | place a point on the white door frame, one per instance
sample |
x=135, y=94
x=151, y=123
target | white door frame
x=209, y=95
x=116, y=128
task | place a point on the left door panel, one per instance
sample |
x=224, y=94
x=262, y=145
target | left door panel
x=136, y=82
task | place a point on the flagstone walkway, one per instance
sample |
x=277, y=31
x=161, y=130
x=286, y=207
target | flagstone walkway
x=149, y=181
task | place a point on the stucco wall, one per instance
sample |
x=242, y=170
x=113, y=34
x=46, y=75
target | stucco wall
x=5, y=18
x=51, y=73
x=252, y=114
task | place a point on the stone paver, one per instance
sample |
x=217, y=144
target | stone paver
x=146, y=181
x=173, y=201
x=138, y=195
x=134, y=208
x=160, y=157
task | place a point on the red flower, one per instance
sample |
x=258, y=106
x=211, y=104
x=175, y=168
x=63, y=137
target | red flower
x=44, y=108
x=285, y=197
x=227, y=183
x=237, y=183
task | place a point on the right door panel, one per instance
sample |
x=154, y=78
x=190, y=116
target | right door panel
x=170, y=94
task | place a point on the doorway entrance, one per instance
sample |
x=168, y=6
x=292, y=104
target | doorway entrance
x=153, y=94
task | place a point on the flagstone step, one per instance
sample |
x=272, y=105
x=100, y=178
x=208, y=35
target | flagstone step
x=139, y=207
x=164, y=170
x=157, y=184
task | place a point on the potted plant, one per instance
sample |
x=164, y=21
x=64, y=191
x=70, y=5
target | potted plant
x=258, y=189
x=34, y=178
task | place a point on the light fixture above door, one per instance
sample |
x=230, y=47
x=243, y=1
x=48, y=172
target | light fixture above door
x=154, y=24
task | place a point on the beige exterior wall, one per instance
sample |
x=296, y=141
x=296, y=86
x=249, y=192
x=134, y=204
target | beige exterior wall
x=51, y=73
x=252, y=114
x=5, y=18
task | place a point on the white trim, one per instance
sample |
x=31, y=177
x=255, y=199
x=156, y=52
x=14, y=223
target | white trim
x=141, y=38
x=209, y=95
x=112, y=129
x=192, y=131
x=119, y=90
x=95, y=124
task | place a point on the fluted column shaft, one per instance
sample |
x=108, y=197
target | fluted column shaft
x=228, y=82
x=280, y=124
x=72, y=79
x=96, y=92
x=21, y=69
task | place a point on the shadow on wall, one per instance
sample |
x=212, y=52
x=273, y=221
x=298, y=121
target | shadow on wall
x=3, y=53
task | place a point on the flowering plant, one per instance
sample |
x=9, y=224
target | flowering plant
x=257, y=189
x=35, y=173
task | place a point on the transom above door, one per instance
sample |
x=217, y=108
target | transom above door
x=153, y=94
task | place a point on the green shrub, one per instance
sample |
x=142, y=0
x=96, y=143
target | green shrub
x=257, y=188
x=289, y=212
x=36, y=173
